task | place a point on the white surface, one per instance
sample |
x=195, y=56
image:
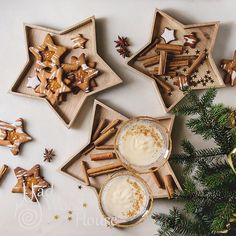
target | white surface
x=132, y=18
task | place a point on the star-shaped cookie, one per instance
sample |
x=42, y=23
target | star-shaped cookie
x=30, y=182
x=13, y=135
x=168, y=35
x=51, y=84
x=84, y=74
x=229, y=66
x=33, y=82
x=190, y=40
x=48, y=54
x=79, y=41
x=79, y=74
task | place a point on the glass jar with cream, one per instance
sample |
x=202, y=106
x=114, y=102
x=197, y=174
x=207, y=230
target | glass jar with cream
x=125, y=200
x=143, y=144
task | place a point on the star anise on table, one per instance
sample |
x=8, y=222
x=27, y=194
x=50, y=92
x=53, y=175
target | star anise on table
x=122, y=45
x=48, y=155
x=122, y=42
x=124, y=52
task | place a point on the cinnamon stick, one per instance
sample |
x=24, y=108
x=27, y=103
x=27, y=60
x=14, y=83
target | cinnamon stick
x=162, y=84
x=172, y=73
x=106, y=171
x=152, y=61
x=102, y=168
x=83, y=166
x=172, y=48
x=105, y=147
x=169, y=185
x=148, y=48
x=99, y=128
x=104, y=137
x=169, y=73
x=156, y=178
x=102, y=156
x=180, y=58
x=178, y=63
x=111, y=125
x=3, y=171
x=196, y=63
x=162, y=64
x=173, y=65
x=142, y=58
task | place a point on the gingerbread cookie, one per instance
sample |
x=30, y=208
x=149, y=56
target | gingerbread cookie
x=229, y=66
x=72, y=66
x=191, y=40
x=30, y=182
x=84, y=75
x=48, y=54
x=13, y=135
x=51, y=84
x=79, y=41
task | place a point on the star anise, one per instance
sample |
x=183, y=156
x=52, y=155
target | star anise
x=48, y=155
x=124, y=52
x=122, y=42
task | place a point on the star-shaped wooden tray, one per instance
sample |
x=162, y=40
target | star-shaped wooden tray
x=73, y=169
x=107, y=78
x=206, y=75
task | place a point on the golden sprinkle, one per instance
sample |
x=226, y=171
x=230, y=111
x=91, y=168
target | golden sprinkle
x=146, y=131
x=84, y=205
x=56, y=217
x=139, y=199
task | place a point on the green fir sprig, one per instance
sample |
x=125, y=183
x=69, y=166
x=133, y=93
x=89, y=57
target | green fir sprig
x=209, y=188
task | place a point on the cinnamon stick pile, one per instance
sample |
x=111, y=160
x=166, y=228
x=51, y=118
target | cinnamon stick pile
x=103, y=132
x=162, y=59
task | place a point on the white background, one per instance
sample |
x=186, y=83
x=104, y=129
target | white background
x=132, y=18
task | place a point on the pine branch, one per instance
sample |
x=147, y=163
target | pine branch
x=222, y=215
x=188, y=148
x=208, y=98
x=177, y=224
x=208, y=153
x=211, y=120
x=215, y=175
x=209, y=190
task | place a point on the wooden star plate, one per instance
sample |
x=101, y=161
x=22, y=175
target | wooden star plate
x=207, y=74
x=73, y=169
x=107, y=78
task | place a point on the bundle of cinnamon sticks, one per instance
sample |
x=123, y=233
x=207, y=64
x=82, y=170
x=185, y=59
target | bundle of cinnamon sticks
x=164, y=60
x=103, y=132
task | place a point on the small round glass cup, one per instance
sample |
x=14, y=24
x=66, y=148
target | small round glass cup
x=163, y=155
x=113, y=221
